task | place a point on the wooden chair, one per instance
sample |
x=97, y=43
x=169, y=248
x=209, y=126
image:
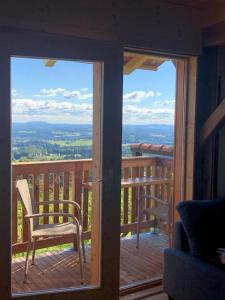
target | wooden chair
x=36, y=231
x=160, y=212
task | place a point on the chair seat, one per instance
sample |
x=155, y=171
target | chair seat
x=60, y=229
x=161, y=212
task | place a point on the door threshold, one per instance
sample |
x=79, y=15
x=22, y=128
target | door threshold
x=141, y=285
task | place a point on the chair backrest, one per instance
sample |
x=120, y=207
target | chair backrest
x=23, y=189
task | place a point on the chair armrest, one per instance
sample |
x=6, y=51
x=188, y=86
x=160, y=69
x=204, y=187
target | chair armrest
x=156, y=199
x=75, y=204
x=58, y=202
x=54, y=214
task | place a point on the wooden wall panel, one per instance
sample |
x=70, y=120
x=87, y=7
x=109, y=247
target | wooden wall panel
x=157, y=25
x=5, y=175
x=221, y=133
x=207, y=98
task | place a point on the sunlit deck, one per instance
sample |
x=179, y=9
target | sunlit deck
x=60, y=269
x=67, y=180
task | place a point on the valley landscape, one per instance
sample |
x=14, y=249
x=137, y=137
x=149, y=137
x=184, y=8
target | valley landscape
x=34, y=141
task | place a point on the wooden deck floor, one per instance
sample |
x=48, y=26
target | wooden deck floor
x=60, y=269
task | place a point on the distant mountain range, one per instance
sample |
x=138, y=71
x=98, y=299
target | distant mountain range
x=162, y=134
x=41, y=140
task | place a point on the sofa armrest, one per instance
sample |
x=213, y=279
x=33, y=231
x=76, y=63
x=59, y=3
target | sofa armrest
x=186, y=277
x=181, y=240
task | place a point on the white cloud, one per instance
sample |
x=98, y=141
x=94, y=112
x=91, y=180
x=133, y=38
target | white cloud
x=137, y=96
x=144, y=115
x=81, y=95
x=77, y=94
x=58, y=110
x=52, y=92
x=84, y=89
x=13, y=92
x=67, y=112
x=71, y=94
x=168, y=102
x=165, y=103
x=29, y=109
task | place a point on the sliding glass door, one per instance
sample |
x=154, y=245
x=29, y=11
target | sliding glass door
x=60, y=176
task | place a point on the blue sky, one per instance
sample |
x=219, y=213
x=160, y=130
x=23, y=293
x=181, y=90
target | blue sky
x=64, y=93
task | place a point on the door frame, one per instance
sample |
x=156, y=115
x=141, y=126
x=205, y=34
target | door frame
x=184, y=143
x=184, y=134
x=109, y=130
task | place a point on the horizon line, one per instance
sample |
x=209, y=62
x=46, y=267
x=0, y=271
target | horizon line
x=50, y=123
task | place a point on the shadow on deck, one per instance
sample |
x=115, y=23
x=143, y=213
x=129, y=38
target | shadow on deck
x=60, y=269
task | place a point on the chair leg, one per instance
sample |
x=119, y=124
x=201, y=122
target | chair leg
x=79, y=246
x=27, y=262
x=138, y=231
x=139, y=217
x=83, y=248
x=33, y=252
x=154, y=228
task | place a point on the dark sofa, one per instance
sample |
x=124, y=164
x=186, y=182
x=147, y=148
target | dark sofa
x=190, y=278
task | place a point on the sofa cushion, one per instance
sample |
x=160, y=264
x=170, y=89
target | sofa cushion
x=204, y=224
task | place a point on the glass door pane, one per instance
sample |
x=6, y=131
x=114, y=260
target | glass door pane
x=56, y=164
x=147, y=165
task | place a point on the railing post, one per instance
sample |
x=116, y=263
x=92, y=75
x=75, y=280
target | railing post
x=56, y=194
x=78, y=183
x=14, y=212
x=125, y=198
x=46, y=196
x=66, y=178
x=85, y=202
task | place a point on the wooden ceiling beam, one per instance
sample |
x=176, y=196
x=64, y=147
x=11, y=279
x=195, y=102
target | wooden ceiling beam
x=214, y=23
x=149, y=68
x=49, y=62
x=134, y=63
x=137, y=61
x=213, y=123
x=214, y=35
x=213, y=13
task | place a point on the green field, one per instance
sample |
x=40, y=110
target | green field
x=72, y=143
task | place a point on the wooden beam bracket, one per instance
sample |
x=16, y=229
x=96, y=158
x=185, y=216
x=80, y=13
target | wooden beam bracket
x=213, y=123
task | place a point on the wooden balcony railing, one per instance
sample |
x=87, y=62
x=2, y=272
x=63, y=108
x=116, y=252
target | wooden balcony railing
x=64, y=180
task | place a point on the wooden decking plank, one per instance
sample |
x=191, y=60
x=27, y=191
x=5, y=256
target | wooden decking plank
x=60, y=268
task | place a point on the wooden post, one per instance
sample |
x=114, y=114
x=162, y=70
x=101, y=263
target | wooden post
x=5, y=175
x=96, y=171
x=179, y=138
x=190, y=129
x=184, y=132
x=208, y=95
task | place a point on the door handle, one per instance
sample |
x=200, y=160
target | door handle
x=98, y=179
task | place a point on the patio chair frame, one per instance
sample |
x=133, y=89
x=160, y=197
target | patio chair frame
x=32, y=218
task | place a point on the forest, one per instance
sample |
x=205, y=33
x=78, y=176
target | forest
x=35, y=141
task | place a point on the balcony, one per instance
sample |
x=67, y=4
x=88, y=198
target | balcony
x=65, y=180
